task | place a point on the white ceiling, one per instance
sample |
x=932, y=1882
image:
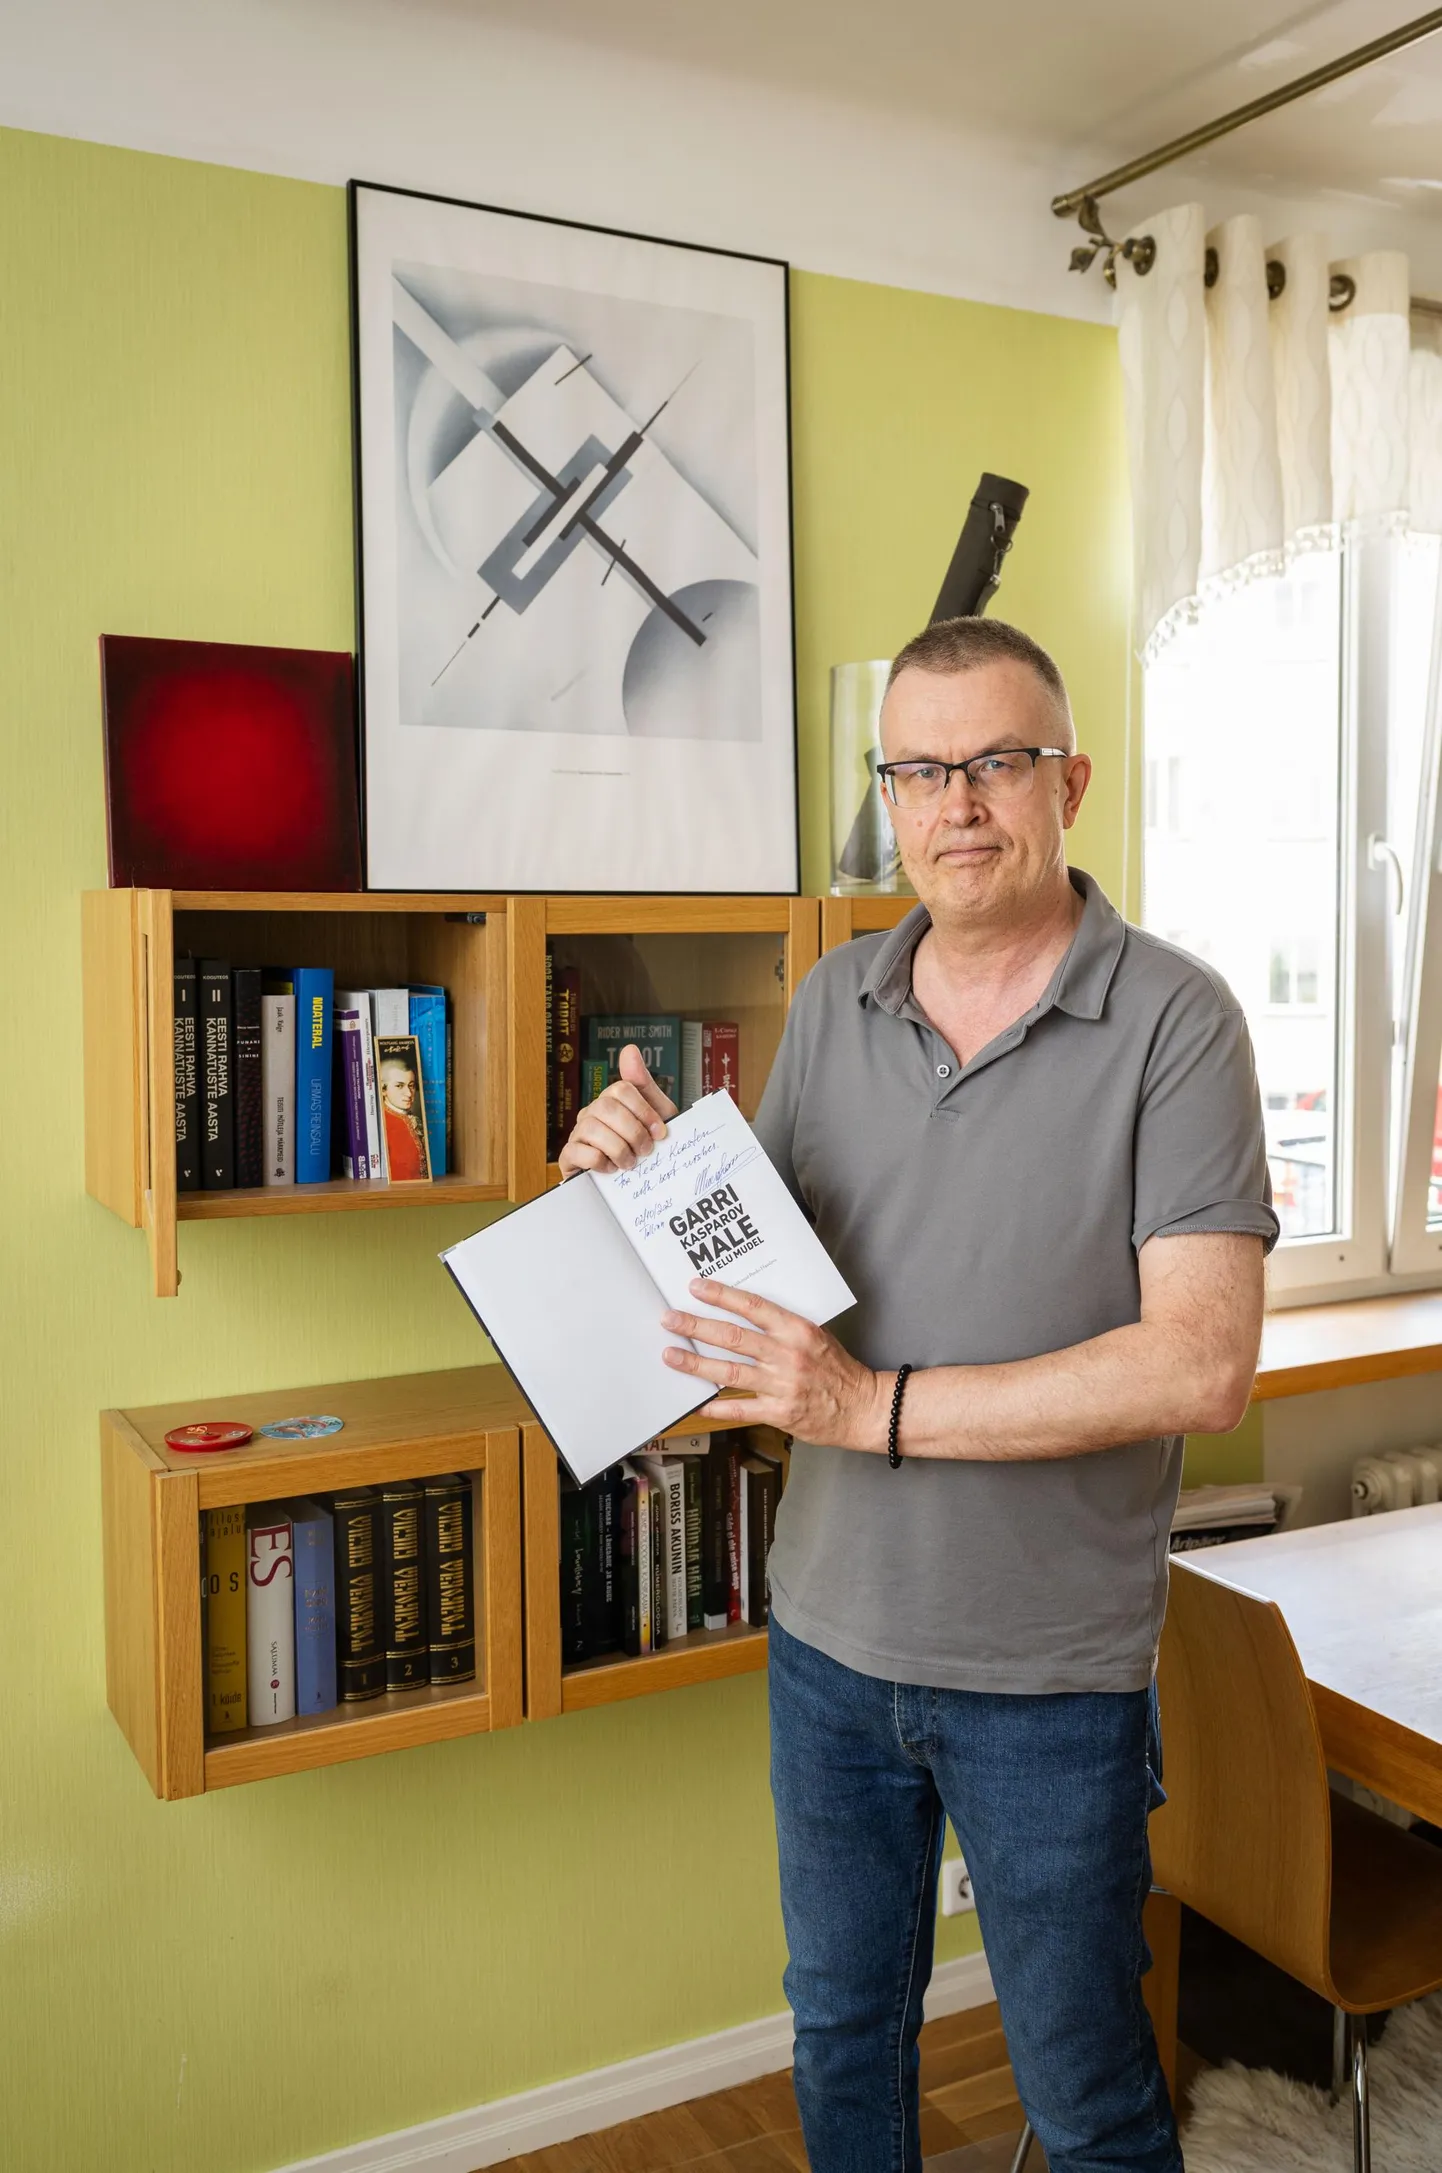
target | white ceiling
x=1115, y=76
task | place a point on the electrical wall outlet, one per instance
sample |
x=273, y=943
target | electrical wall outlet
x=956, y=1894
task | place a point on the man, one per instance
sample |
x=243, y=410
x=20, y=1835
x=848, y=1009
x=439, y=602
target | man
x=1031, y=1139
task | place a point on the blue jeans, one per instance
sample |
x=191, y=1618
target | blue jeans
x=1049, y=1797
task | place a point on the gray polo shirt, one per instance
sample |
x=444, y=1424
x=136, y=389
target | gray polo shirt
x=993, y=1211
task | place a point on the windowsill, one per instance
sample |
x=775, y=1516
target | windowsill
x=1311, y=1347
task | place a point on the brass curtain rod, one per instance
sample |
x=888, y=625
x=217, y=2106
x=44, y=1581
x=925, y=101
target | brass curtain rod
x=1136, y=169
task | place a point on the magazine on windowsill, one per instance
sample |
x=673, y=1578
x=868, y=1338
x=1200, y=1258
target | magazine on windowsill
x=571, y=1287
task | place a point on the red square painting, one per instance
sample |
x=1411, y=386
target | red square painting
x=228, y=767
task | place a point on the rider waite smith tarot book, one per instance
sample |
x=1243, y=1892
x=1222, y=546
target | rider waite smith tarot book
x=571, y=1288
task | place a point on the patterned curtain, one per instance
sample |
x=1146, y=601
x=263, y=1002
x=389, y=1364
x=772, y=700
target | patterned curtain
x=1260, y=425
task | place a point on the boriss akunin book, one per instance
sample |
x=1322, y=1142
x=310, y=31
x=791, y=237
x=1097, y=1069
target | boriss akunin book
x=571, y=1287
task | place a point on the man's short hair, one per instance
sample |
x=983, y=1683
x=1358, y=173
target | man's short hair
x=960, y=645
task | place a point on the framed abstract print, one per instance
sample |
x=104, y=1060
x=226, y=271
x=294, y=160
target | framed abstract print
x=574, y=539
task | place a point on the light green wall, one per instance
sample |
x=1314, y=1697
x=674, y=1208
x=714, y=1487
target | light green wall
x=242, y=1980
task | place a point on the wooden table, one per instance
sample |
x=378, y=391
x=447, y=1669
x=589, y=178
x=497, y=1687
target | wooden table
x=1363, y=1601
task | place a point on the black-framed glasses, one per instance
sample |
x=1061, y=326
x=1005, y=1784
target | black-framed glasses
x=1004, y=774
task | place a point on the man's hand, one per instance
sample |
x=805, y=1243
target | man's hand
x=622, y=1124
x=802, y=1381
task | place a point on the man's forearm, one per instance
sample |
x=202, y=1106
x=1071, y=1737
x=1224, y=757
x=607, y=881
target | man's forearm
x=1128, y=1385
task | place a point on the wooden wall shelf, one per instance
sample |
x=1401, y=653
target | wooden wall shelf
x=740, y=957
x=553, y=1687
x=409, y=1426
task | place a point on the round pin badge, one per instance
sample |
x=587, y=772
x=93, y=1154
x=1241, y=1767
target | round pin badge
x=208, y=1435
x=301, y=1429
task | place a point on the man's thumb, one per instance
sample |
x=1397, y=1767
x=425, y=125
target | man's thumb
x=631, y=1066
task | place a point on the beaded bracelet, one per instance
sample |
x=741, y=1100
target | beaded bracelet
x=893, y=1452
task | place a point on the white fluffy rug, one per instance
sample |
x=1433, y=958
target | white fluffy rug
x=1245, y=2120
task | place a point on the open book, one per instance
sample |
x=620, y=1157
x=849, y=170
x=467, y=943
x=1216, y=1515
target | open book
x=571, y=1287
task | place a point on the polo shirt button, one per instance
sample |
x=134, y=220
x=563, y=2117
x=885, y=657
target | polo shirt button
x=943, y=1071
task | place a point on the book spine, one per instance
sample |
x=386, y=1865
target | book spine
x=277, y=1086
x=566, y=1055
x=575, y=1642
x=656, y=1034
x=350, y=1080
x=553, y=1139
x=187, y=1093
x=763, y=1483
x=360, y=1654
x=217, y=1106
x=660, y=1623
x=249, y=1106
x=691, y=1087
x=669, y=1479
x=450, y=1583
x=743, y=1544
x=733, y=1535
x=715, y=1577
x=603, y=1622
x=225, y=1648
x=693, y=1469
x=313, y=1540
x=594, y=1079
x=372, y=1089
x=403, y=1590
x=450, y=1090
x=630, y=1567
x=269, y=1615
x=314, y=991
x=428, y=1024
x=643, y=1559
x=721, y=1058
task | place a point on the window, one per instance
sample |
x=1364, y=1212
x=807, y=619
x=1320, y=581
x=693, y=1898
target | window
x=1291, y=833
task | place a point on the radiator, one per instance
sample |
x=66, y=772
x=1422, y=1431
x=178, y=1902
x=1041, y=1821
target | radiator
x=1396, y=1479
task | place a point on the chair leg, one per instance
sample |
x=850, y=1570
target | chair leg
x=1361, y=2108
x=1341, y=2041
x=1023, y=2148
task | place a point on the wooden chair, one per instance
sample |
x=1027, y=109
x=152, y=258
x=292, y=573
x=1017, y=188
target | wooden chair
x=1252, y=1837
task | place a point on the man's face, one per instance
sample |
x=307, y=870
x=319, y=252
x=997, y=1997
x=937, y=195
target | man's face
x=970, y=858
x=399, y=1088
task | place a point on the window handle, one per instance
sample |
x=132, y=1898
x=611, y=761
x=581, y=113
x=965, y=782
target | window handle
x=1382, y=855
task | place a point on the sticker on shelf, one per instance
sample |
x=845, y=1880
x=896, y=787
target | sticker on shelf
x=208, y=1435
x=301, y=1429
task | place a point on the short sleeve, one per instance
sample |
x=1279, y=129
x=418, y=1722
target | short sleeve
x=1201, y=1150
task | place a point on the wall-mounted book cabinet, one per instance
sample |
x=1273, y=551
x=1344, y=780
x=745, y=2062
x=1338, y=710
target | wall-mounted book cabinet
x=552, y=1685
x=740, y=958
x=860, y=915
x=409, y=1427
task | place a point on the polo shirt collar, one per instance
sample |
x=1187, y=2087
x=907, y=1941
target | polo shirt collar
x=1079, y=985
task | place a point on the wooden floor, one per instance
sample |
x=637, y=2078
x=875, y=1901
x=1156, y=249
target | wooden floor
x=969, y=2116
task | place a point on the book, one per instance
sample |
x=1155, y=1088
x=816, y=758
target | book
x=629, y=1576
x=694, y=1469
x=215, y=1015
x=313, y=1543
x=277, y=1082
x=602, y=1578
x=715, y=1507
x=575, y=1545
x=402, y=1586
x=350, y=1092
x=735, y=1553
x=314, y=994
x=359, y=1001
x=571, y=1287
x=225, y=1661
x=187, y=1080
x=360, y=1653
x=249, y=1107
x=450, y=1583
x=660, y=1618
x=563, y=1051
x=710, y=1059
x=391, y=1010
x=657, y=1035
x=594, y=1080
x=269, y=1614
x=761, y=1491
x=427, y=1021
x=668, y=1475
x=400, y=1077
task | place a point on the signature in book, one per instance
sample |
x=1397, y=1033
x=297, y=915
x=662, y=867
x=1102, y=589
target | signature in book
x=679, y=1172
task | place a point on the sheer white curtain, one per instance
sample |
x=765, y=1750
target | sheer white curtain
x=1257, y=426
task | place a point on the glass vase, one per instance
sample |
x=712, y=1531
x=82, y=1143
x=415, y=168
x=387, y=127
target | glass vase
x=863, y=845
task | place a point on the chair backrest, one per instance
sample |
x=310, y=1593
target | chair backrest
x=1245, y=1835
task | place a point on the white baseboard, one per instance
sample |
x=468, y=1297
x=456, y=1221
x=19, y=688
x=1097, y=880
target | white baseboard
x=534, y=2119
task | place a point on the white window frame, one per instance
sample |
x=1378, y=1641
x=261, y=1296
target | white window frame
x=1416, y=1250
